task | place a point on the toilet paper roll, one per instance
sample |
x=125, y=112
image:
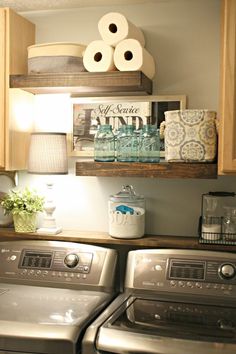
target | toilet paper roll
x=114, y=27
x=98, y=56
x=129, y=55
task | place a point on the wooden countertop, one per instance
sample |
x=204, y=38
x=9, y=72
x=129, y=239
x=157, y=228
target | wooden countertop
x=103, y=239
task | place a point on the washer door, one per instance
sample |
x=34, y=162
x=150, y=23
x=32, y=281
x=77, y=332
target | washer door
x=159, y=327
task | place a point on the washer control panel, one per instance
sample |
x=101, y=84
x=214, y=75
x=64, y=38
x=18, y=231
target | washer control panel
x=182, y=271
x=56, y=262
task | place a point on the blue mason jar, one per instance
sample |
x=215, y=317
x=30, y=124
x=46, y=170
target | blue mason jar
x=127, y=144
x=104, y=144
x=149, y=144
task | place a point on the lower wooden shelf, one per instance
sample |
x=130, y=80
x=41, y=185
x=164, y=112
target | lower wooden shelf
x=104, y=239
x=135, y=169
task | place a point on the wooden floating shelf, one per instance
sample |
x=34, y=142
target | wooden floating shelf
x=104, y=239
x=153, y=170
x=128, y=82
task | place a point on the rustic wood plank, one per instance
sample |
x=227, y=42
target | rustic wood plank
x=84, y=82
x=135, y=169
x=103, y=239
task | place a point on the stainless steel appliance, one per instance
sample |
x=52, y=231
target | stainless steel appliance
x=49, y=293
x=174, y=302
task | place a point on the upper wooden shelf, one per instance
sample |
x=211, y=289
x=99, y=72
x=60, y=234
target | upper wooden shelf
x=127, y=82
x=135, y=169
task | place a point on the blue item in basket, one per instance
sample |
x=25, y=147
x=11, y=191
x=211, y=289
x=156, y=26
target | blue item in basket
x=124, y=209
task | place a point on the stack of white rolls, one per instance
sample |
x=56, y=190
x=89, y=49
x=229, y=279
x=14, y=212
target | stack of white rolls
x=122, y=47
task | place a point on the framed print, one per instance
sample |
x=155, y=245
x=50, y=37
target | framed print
x=90, y=112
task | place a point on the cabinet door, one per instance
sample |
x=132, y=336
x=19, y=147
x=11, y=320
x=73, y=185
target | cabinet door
x=16, y=34
x=2, y=87
x=227, y=117
x=19, y=117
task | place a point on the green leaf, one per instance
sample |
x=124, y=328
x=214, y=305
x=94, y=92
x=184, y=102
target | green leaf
x=22, y=202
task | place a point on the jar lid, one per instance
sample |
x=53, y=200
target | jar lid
x=127, y=192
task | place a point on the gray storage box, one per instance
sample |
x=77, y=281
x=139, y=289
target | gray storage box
x=55, y=58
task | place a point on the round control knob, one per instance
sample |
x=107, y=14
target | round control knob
x=71, y=260
x=227, y=271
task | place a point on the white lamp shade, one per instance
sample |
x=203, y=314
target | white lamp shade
x=48, y=153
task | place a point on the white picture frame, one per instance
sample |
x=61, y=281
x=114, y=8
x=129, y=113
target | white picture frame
x=89, y=112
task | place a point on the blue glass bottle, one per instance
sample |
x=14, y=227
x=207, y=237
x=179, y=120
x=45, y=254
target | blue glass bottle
x=127, y=144
x=149, y=144
x=104, y=144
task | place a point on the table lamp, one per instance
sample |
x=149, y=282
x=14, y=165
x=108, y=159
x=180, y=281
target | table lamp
x=48, y=156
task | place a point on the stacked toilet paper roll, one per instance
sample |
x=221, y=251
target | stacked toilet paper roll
x=114, y=28
x=98, y=57
x=121, y=47
x=129, y=55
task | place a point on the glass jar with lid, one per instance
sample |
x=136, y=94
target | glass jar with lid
x=126, y=214
x=104, y=144
x=149, y=144
x=127, y=144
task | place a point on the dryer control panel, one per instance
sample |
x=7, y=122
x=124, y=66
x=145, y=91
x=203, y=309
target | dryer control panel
x=182, y=271
x=57, y=262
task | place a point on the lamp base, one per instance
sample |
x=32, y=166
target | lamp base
x=49, y=230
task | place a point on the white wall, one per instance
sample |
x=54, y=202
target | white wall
x=183, y=36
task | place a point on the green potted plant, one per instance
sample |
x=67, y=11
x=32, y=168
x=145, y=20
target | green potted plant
x=24, y=206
